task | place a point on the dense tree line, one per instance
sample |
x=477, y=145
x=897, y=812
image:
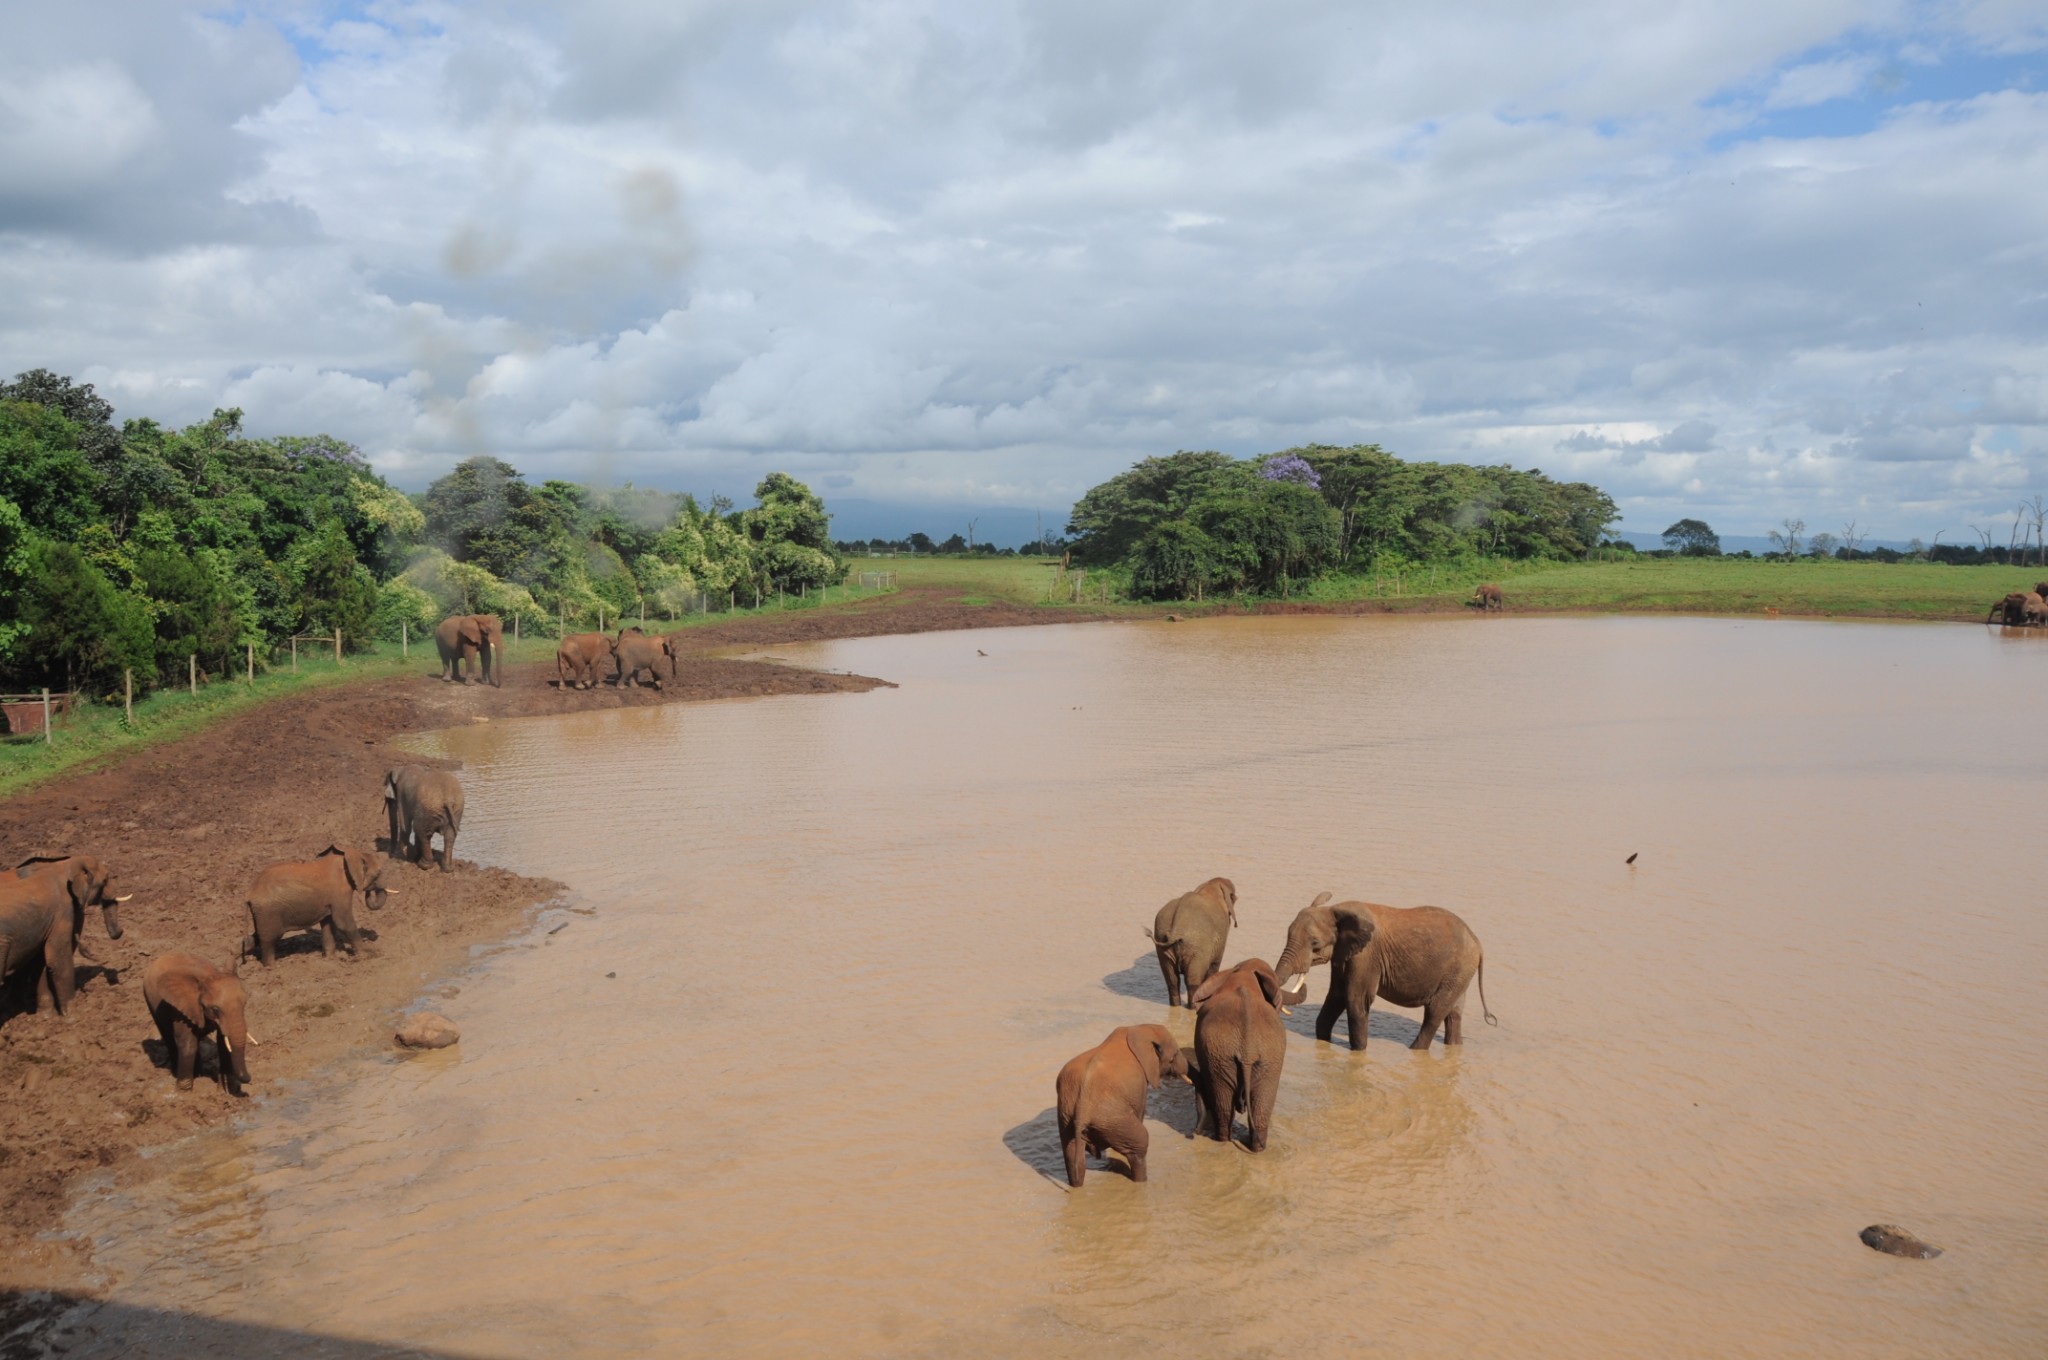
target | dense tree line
x=1210, y=522
x=132, y=547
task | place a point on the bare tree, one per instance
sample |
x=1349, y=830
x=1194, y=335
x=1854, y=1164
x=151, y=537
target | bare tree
x=1822, y=544
x=2012, y=539
x=1984, y=534
x=1850, y=538
x=970, y=535
x=2037, y=511
x=1787, y=539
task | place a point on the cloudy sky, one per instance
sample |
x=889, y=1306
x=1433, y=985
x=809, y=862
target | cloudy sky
x=1739, y=259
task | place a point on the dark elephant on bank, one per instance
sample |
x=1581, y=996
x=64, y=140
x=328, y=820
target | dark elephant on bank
x=577, y=657
x=1410, y=956
x=1100, y=1096
x=1487, y=596
x=1240, y=1045
x=191, y=999
x=419, y=802
x=1189, y=933
x=2020, y=609
x=316, y=894
x=42, y=920
x=632, y=652
x=462, y=636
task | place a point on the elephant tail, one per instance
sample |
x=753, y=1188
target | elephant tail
x=1490, y=1019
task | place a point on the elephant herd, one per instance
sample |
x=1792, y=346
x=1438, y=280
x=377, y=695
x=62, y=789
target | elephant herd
x=2022, y=608
x=43, y=907
x=1409, y=956
x=631, y=652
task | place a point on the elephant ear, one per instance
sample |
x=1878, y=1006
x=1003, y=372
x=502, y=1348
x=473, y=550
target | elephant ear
x=1321, y=898
x=1355, y=930
x=357, y=865
x=83, y=878
x=1269, y=983
x=1211, y=987
x=1147, y=1054
x=180, y=991
x=1229, y=891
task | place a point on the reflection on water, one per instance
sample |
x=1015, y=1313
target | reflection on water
x=855, y=937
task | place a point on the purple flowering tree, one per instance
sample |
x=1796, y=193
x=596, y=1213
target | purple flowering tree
x=1290, y=467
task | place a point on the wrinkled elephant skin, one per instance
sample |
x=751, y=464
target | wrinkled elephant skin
x=42, y=920
x=1100, y=1096
x=315, y=894
x=190, y=1000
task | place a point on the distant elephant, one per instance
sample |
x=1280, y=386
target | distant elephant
x=461, y=636
x=1240, y=1045
x=577, y=658
x=1488, y=596
x=632, y=652
x=313, y=894
x=2012, y=610
x=190, y=999
x=42, y=920
x=1101, y=1096
x=1410, y=956
x=419, y=802
x=1189, y=933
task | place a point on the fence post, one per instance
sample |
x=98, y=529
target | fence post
x=515, y=630
x=128, y=695
x=192, y=672
x=404, y=639
x=729, y=601
x=295, y=653
x=46, y=715
x=337, y=644
x=252, y=662
x=643, y=611
x=562, y=617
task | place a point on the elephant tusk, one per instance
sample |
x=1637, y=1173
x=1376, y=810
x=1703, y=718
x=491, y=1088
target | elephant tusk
x=226, y=1047
x=124, y=899
x=251, y=1038
x=392, y=891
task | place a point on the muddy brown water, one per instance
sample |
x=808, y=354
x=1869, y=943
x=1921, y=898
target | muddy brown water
x=856, y=936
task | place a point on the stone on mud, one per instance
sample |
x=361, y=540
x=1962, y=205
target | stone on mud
x=427, y=1030
x=1891, y=1238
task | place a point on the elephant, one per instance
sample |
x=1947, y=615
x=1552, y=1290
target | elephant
x=1487, y=596
x=2016, y=610
x=1240, y=1045
x=632, y=652
x=1189, y=933
x=2034, y=609
x=672, y=644
x=1101, y=1096
x=576, y=659
x=462, y=636
x=190, y=999
x=42, y=920
x=313, y=894
x=1410, y=956
x=419, y=802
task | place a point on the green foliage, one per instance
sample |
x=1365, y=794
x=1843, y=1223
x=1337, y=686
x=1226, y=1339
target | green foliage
x=792, y=535
x=81, y=629
x=15, y=564
x=1692, y=538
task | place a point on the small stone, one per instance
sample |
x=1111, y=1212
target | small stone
x=428, y=1030
x=611, y=975
x=1892, y=1239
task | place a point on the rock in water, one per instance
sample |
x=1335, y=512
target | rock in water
x=1891, y=1238
x=427, y=1030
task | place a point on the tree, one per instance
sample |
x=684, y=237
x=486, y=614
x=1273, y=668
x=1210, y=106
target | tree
x=1787, y=539
x=1850, y=538
x=1692, y=538
x=1822, y=544
x=81, y=629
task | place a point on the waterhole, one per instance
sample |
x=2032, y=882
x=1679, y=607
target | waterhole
x=787, y=1087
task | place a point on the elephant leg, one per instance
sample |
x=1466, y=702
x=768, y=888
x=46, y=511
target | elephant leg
x=1133, y=1143
x=1454, y=1028
x=1265, y=1084
x=59, y=977
x=447, y=849
x=1432, y=1021
x=1359, y=1015
x=1333, y=1004
x=1172, y=975
x=187, y=1060
x=1221, y=1098
x=327, y=939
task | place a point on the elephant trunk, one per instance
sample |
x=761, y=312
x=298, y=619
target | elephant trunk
x=234, y=1043
x=111, y=916
x=1292, y=971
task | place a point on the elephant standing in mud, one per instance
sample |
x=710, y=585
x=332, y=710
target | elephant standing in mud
x=1487, y=596
x=461, y=636
x=1100, y=1096
x=42, y=920
x=672, y=647
x=632, y=652
x=1410, y=956
x=1240, y=1046
x=577, y=657
x=191, y=999
x=317, y=894
x=1189, y=933
x=419, y=802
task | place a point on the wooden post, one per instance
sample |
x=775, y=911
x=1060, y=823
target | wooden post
x=643, y=611
x=404, y=639
x=192, y=672
x=128, y=695
x=729, y=604
x=252, y=663
x=46, y=715
x=295, y=653
x=337, y=644
x=778, y=595
x=562, y=617
x=515, y=630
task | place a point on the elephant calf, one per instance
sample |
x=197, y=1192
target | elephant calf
x=191, y=999
x=1411, y=956
x=577, y=657
x=1240, y=1045
x=418, y=803
x=42, y=920
x=633, y=652
x=1487, y=596
x=1189, y=933
x=1101, y=1096
x=313, y=894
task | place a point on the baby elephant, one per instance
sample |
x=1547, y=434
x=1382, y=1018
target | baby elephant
x=1102, y=1096
x=1487, y=596
x=190, y=999
x=314, y=894
x=419, y=802
x=1240, y=1045
x=1189, y=933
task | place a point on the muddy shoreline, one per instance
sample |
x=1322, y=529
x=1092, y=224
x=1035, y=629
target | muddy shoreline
x=186, y=826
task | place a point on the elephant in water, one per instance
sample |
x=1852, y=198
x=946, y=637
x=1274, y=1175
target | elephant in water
x=316, y=894
x=190, y=999
x=1411, y=956
x=1101, y=1096
x=1487, y=596
x=419, y=802
x=1189, y=933
x=1240, y=1045
x=42, y=919
x=461, y=636
x=633, y=651
x=576, y=659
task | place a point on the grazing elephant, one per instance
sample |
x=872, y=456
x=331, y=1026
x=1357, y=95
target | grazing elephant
x=1411, y=956
x=313, y=894
x=190, y=999
x=419, y=802
x=632, y=652
x=42, y=920
x=1101, y=1096
x=462, y=636
x=1240, y=1044
x=1488, y=596
x=1189, y=933
x=576, y=659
